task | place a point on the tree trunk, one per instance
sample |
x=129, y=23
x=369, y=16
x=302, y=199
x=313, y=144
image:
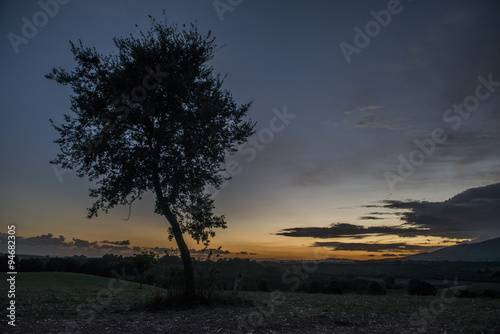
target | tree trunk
x=189, y=286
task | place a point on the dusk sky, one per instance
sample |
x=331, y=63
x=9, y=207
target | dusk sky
x=378, y=126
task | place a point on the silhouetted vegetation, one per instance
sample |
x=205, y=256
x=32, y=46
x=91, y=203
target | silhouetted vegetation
x=420, y=288
x=490, y=294
x=389, y=282
x=142, y=262
x=217, y=276
x=262, y=286
x=333, y=287
x=153, y=118
x=375, y=288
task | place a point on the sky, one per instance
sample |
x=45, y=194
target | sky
x=377, y=135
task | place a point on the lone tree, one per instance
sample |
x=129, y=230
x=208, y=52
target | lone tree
x=153, y=118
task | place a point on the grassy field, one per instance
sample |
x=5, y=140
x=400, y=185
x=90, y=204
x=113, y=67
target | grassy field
x=75, y=303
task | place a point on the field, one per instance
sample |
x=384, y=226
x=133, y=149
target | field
x=77, y=303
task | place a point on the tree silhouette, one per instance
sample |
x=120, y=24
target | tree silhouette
x=142, y=262
x=153, y=118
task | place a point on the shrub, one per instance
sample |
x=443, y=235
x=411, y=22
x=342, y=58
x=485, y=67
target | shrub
x=333, y=287
x=314, y=287
x=389, y=281
x=467, y=294
x=361, y=285
x=262, y=286
x=490, y=294
x=421, y=288
x=375, y=288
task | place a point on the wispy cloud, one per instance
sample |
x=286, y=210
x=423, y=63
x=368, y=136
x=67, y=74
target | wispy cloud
x=370, y=108
x=371, y=120
x=370, y=218
x=246, y=253
x=361, y=109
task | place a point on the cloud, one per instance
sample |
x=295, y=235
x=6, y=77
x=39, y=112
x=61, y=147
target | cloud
x=372, y=247
x=43, y=240
x=361, y=109
x=47, y=244
x=366, y=118
x=370, y=218
x=371, y=120
x=468, y=215
x=370, y=108
x=118, y=243
x=208, y=250
x=344, y=230
x=79, y=243
x=246, y=253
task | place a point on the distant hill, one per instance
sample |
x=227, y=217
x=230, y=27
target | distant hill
x=488, y=250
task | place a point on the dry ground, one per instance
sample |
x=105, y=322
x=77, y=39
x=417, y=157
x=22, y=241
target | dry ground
x=57, y=306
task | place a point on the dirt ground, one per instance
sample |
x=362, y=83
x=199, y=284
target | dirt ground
x=358, y=314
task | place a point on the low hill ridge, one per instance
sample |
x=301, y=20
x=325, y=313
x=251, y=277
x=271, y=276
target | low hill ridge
x=488, y=250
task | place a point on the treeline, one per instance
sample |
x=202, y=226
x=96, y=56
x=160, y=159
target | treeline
x=103, y=266
x=249, y=275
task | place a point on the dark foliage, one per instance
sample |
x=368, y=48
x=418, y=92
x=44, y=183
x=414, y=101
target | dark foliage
x=33, y=265
x=375, y=288
x=389, y=281
x=490, y=294
x=421, y=288
x=262, y=286
x=142, y=262
x=314, y=287
x=333, y=287
x=466, y=294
